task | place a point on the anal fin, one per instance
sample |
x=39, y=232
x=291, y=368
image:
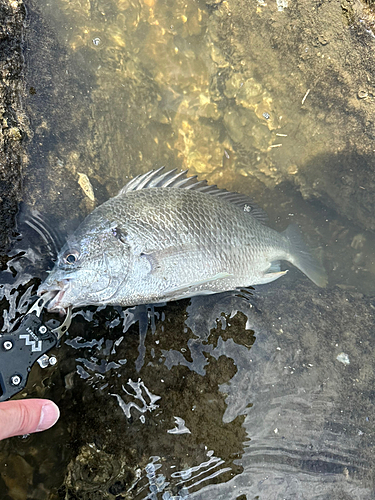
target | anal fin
x=272, y=276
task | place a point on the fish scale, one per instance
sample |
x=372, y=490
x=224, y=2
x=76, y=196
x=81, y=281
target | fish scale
x=166, y=236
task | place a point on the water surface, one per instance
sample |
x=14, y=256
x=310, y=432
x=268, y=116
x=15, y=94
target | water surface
x=223, y=397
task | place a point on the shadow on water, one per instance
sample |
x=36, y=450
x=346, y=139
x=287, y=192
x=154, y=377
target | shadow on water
x=265, y=394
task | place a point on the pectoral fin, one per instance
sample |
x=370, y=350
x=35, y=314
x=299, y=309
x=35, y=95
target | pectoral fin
x=160, y=257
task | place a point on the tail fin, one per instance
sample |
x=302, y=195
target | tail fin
x=301, y=257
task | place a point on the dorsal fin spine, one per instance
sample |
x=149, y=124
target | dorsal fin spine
x=179, y=180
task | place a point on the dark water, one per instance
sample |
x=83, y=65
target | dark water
x=266, y=395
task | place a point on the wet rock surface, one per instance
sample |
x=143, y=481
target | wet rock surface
x=58, y=105
x=13, y=122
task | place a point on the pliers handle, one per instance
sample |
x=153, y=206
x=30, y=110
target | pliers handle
x=20, y=349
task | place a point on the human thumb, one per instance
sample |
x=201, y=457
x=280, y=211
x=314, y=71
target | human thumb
x=26, y=416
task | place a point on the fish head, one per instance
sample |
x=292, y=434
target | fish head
x=90, y=268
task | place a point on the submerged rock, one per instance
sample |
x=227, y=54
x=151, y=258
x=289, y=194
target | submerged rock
x=307, y=77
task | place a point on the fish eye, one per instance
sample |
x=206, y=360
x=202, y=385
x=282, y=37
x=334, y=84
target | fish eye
x=71, y=257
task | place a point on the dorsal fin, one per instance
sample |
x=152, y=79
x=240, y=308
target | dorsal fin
x=172, y=179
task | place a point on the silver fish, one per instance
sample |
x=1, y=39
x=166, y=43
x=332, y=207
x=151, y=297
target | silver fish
x=165, y=237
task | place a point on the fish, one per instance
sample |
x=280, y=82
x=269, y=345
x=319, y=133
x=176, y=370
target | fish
x=167, y=236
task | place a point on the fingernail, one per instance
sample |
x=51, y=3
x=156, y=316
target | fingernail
x=49, y=415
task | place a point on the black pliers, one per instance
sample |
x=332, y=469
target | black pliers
x=30, y=342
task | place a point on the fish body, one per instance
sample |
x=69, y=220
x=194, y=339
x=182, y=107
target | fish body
x=166, y=237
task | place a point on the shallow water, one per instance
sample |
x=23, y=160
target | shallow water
x=221, y=397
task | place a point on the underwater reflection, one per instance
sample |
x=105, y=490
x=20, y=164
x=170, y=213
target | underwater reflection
x=155, y=377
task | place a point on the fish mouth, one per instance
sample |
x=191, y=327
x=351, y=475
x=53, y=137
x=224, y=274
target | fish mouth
x=57, y=303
